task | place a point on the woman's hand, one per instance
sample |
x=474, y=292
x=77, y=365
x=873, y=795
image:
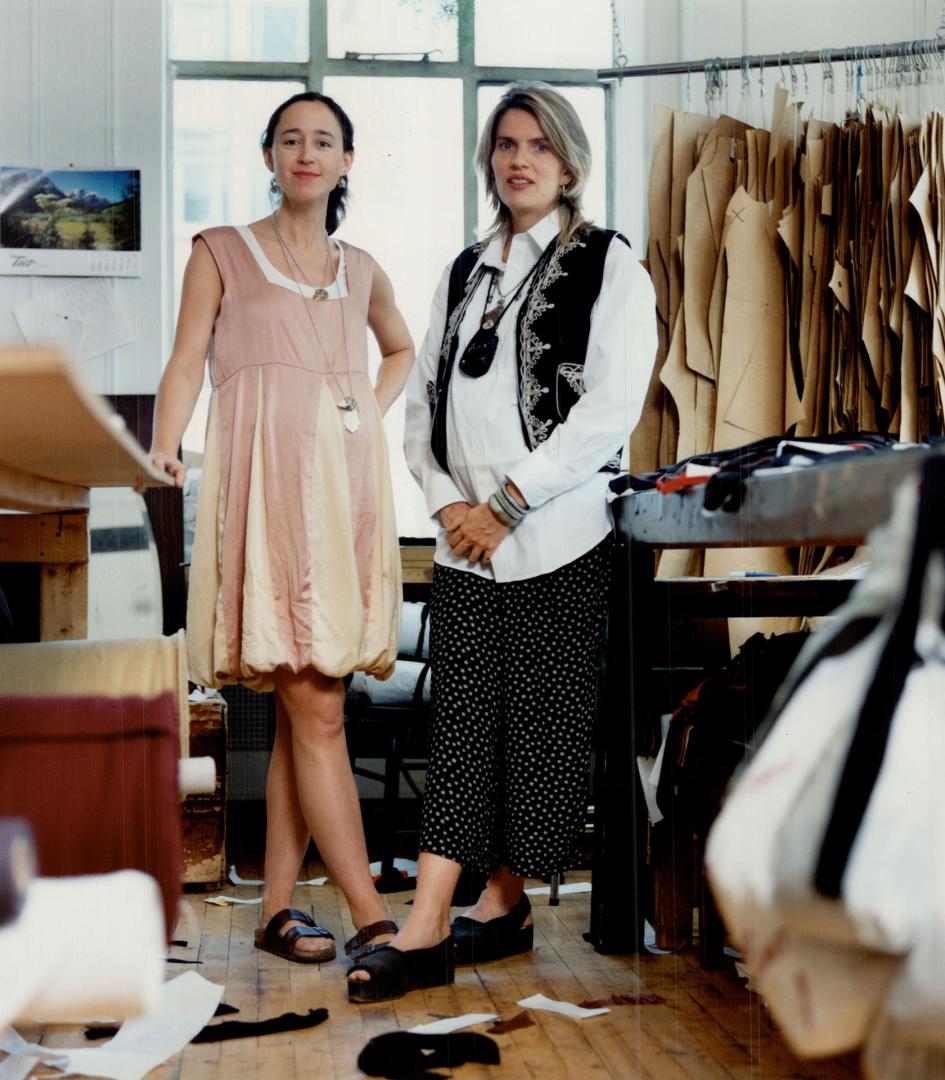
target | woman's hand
x=477, y=534
x=453, y=514
x=169, y=464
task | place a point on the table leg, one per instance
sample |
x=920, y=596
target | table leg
x=619, y=893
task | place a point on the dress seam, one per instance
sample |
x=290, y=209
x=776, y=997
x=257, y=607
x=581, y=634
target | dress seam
x=282, y=363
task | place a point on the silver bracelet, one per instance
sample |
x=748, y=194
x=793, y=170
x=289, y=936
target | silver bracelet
x=510, y=505
x=496, y=507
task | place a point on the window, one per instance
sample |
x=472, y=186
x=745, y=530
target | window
x=392, y=28
x=239, y=29
x=416, y=77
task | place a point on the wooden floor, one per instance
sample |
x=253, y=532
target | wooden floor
x=706, y=1026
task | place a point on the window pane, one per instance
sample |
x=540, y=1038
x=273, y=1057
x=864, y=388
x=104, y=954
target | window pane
x=391, y=27
x=239, y=29
x=219, y=174
x=543, y=33
x=406, y=209
x=588, y=101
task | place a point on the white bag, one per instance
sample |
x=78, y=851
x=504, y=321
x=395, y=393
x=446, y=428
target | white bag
x=829, y=853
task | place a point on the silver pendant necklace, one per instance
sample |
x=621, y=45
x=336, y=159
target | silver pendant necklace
x=348, y=403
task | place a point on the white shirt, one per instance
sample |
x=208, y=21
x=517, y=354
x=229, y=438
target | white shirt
x=485, y=443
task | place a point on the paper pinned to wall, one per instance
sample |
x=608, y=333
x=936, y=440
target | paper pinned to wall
x=83, y=318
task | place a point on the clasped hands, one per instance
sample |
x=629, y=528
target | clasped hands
x=474, y=531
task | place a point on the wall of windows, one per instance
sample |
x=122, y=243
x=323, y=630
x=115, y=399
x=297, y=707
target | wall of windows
x=416, y=77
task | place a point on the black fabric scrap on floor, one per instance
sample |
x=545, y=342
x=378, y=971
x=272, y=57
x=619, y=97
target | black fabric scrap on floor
x=402, y=1055
x=244, y=1029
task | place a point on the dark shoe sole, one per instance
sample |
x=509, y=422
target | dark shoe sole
x=391, y=977
x=299, y=957
x=498, y=948
x=364, y=992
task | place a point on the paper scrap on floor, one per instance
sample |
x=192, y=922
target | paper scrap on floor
x=235, y=879
x=565, y=1008
x=453, y=1023
x=185, y=1006
x=225, y=901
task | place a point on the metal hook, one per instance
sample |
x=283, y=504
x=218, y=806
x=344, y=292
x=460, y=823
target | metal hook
x=793, y=70
x=826, y=68
x=761, y=74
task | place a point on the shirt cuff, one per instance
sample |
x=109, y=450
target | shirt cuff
x=440, y=491
x=532, y=476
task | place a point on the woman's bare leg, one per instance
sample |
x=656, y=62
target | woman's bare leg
x=311, y=789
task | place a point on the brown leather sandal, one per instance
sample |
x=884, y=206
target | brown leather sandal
x=270, y=939
x=362, y=940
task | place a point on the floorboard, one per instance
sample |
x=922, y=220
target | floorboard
x=703, y=1025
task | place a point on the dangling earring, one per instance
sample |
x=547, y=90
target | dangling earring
x=342, y=181
x=274, y=188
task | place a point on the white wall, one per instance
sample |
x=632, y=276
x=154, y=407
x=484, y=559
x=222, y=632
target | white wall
x=83, y=83
x=655, y=31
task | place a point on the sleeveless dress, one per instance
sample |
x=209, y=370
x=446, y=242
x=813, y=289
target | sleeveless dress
x=296, y=560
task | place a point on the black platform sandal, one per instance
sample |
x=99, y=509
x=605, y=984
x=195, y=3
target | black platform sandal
x=395, y=972
x=356, y=946
x=479, y=942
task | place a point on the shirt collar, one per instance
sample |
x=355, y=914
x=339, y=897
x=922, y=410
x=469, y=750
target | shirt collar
x=539, y=236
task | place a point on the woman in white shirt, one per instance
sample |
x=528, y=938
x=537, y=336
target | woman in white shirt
x=531, y=377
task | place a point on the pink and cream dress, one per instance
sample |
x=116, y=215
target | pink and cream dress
x=296, y=560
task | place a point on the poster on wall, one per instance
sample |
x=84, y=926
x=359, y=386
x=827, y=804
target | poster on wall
x=70, y=222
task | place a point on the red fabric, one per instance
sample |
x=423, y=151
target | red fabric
x=97, y=779
x=677, y=483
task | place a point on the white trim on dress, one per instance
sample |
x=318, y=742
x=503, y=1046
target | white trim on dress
x=337, y=290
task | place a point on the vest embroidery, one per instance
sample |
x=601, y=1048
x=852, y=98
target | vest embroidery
x=573, y=375
x=531, y=346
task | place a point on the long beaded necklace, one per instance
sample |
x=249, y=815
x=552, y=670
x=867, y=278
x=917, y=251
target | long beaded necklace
x=348, y=403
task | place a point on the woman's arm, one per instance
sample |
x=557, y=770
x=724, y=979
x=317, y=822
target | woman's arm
x=445, y=502
x=183, y=376
x=393, y=338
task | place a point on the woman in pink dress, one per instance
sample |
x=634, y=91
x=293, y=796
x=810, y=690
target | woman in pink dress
x=295, y=576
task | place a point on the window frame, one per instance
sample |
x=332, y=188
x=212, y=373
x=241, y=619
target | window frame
x=320, y=65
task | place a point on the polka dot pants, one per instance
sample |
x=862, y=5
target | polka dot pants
x=515, y=668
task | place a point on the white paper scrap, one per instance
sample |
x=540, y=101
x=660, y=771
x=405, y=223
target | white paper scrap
x=235, y=879
x=453, y=1023
x=563, y=890
x=185, y=1005
x=565, y=1008
x=225, y=901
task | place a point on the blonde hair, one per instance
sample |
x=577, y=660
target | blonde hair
x=566, y=136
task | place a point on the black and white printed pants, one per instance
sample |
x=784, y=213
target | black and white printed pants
x=515, y=670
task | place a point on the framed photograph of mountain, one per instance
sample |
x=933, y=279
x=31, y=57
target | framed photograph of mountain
x=70, y=222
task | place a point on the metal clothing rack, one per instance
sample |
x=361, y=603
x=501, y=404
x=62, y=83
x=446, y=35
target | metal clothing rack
x=908, y=56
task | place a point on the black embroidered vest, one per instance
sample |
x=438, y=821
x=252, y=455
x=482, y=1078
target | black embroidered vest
x=551, y=334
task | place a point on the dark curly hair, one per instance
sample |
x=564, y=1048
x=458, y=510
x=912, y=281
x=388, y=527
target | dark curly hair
x=338, y=199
